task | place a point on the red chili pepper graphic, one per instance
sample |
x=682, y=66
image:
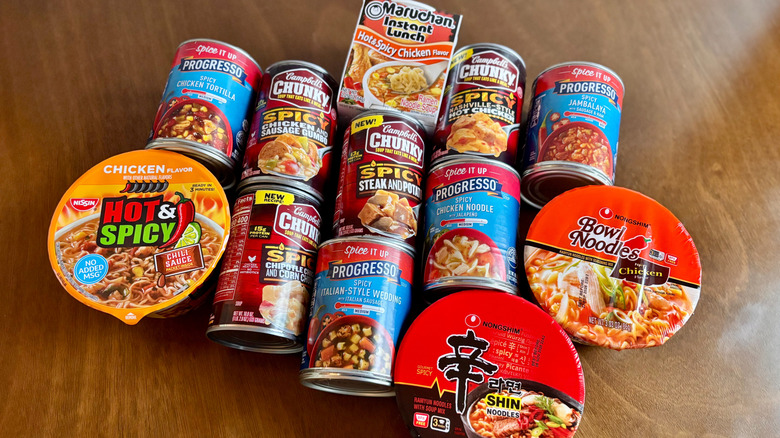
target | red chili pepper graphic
x=636, y=242
x=127, y=188
x=185, y=211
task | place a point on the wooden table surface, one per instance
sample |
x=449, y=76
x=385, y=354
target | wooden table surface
x=80, y=81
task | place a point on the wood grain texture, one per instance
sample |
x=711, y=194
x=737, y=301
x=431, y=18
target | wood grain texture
x=80, y=81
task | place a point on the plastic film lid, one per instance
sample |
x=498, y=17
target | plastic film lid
x=614, y=267
x=479, y=353
x=138, y=233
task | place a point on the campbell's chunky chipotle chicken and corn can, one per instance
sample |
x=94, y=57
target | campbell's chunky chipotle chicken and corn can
x=480, y=113
x=573, y=128
x=362, y=295
x=614, y=267
x=488, y=364
x=140, y=234
x=266, y=278
x=381, y=177
x=398, y=59
x=294, y=127
x=206, y=105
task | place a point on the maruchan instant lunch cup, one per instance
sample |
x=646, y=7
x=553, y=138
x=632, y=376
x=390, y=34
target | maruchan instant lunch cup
x=140, y=234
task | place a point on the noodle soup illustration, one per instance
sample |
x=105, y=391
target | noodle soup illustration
x=464, y=253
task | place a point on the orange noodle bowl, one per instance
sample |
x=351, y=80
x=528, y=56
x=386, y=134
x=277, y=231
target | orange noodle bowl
x=139, y=234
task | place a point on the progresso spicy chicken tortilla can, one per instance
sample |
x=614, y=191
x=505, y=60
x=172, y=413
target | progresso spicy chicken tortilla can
x=140, y=234
x=362, y=295
x=294, y=127
x=381, y=178
x=267, y=275
x=205, y=107
x=573, y=128
x=471, y=215
x=488, y=364
x=480, y=113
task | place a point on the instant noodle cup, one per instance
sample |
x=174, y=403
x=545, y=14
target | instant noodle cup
x=615, y=268
x=488, y=364
x=140, y=234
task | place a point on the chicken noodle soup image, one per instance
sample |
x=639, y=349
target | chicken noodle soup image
x=354, y=343
x=197, y=121
x=408, y=80
x=290, y=155
x=400, y=86
x=385, y=212
x=477, y=133
x=528, y=414
x=459, y=255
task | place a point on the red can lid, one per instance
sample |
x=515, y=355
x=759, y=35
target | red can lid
x=613, y=267
x=484, y=364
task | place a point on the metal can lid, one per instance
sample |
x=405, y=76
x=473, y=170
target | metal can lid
x=545, y=180
x=448, y=285
x=477, y=351
x=215, y=161
x=247, y=186
x=451, y=160
x=385, y=241
x=253, y=338
x=585, y=63
x=397, y=114
x=346, y=382
x=237, y=49
x=287, y=183
x=491, y=46
x=294, y=63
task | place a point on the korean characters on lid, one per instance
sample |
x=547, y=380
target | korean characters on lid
x=480, y=113
x=613, y=267
x=205, y=107
x=294, y=127
x=573, y=128
x=140, y=234
x=266, y=279
x=488, y=364
x=472, y=207
x=362, y=295
x=380, y=183
x=398, y=59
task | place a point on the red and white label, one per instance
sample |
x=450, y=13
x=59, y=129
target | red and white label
x=84, y=204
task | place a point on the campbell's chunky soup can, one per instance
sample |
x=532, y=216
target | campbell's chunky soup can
x=615, y=268
x=140, y=234
x=472, y=207
x=265, y=284
x=206, y=105
x=480, y=113
x=573, y=127
x=488, y=364
x=381, y=178
x=294, y=127
x=362, y=295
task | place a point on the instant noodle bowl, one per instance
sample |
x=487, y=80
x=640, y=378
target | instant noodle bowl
x=488, y=364
x=613, y=267
x=398, y=60
x=362, y=295
x=480, y=114
x=205, y=105
x=573, y=128
x=471, y=216
x=140, y=234
x=266, y=278
x=380, y=183
x=294, y=127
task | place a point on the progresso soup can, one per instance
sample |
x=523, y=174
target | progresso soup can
x=573, y=128
x=205, y=107
x=488, y=364
x=294, y=127
x=471, y=215
x=266, y=279
x=140, y=234
x=381, y=178
x=480, y=114
x=362, y=295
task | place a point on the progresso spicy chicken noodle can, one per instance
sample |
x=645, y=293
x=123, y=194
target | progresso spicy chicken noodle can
x=381, y=178
x=573, y=128
x=294, y=127
x=614, y=267
x=139, y=234
x=472, y=207
x=480, y=114
x=362, y=295
x=205, y=107
x=488, y=364
x=264, y=287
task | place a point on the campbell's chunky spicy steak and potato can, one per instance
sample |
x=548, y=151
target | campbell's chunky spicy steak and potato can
x=140, y=234
x=573, y=128
x=294, y=127
x=267, y=275
x=398, y=59
x=381, y=177
x=205, y=107
x=362, y=295
x=480, y=113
